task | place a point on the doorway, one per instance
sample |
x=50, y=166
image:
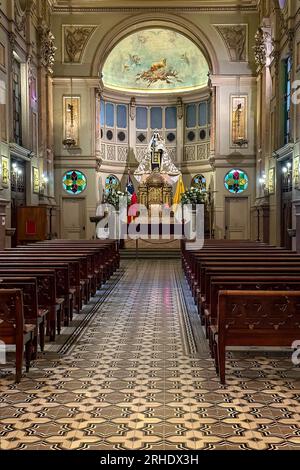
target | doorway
x=18, y=193
x=73, y=218
x=286, y=220
x=236, y=218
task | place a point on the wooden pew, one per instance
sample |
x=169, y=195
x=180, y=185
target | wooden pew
x=72, y=298
x=47, y=282
x=259, y=266
x=33, y=313
x=243, y=283
x=251, y=318
x=13, y=328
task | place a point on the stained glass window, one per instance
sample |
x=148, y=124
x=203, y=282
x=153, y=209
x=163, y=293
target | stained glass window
x=287, y=99
x=236, y=181
x=74, y=182
x=111, y=184
x=17, y=102
x=199, y=182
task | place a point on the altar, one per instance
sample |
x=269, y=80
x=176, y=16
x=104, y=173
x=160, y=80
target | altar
x=156, y=175
x=155, y=192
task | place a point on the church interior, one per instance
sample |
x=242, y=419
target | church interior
x=149, y=225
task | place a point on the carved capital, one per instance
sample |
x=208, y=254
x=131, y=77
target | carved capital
x=179, y=108
x=263, y=47
x=99, y=162
x=132, y=108
x=12, y=40
x=47, y=49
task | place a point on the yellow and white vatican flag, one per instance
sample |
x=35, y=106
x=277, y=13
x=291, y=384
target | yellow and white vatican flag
x=179, y=191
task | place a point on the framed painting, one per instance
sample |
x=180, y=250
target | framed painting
x=71, y=108
x=36, y=180
x=239, y=120
x=271, y=181
x=296, y=178
x=5, y=172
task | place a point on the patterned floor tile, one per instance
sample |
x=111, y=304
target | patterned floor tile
x=139, y=376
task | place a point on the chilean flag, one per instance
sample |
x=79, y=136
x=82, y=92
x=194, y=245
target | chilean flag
x=133, y=199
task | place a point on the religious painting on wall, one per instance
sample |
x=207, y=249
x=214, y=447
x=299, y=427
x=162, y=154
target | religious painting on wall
x=36, y=180
x=236, y=181
x=157, y=59
x=239, y=121
x=5, y=172
x=271, y=182
x=296, y=169
x=71, y=108
x=74, y=182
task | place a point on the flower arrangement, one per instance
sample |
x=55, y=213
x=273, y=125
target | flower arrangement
x=113, y=198
x=193, y=196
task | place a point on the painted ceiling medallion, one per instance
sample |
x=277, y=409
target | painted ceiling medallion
x=155, y=60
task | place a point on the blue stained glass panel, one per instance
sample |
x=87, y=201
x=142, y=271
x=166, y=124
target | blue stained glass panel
x=102, y=113
x=191, y=115
x=156, y=118
x=141, y=118
x=171, y=118
x=203, y=113
x=110, y=118
x=122, y=116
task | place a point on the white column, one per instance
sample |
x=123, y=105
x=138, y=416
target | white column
x=132, y=131
x=180, y=132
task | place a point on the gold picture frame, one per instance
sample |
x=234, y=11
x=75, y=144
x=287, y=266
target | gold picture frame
x=71, y=107
x=36, y=180
x=238, y=120
x=271, y=181
x=296, y=172
x=5, y=172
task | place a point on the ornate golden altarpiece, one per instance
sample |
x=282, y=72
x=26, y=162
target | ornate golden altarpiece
x=155, y=191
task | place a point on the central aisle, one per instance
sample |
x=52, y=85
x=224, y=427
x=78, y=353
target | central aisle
x=135, y=380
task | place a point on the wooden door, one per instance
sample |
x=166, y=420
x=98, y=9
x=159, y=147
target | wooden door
x=286, y=220
x=73, y=218
x=236, y=218
x=18, y=193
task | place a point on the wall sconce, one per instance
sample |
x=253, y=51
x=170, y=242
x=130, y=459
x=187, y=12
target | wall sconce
x=43, y=183
x=287, y=170
x=287, y=176
x=263, y=182
x=17, y=170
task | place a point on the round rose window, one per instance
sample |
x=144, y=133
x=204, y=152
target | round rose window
x=236, y=181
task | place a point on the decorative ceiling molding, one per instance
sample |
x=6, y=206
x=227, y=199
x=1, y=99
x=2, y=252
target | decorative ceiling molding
x=235, y=37
x=75, y=38
x=64, y=6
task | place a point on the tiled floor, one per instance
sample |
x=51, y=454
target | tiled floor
x=137, y=378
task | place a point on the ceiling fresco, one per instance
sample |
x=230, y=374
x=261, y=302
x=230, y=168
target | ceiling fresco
x=155, y=60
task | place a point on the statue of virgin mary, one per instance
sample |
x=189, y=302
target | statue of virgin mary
x=157, y=159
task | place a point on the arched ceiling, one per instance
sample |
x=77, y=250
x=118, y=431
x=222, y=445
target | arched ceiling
x=155, y=60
